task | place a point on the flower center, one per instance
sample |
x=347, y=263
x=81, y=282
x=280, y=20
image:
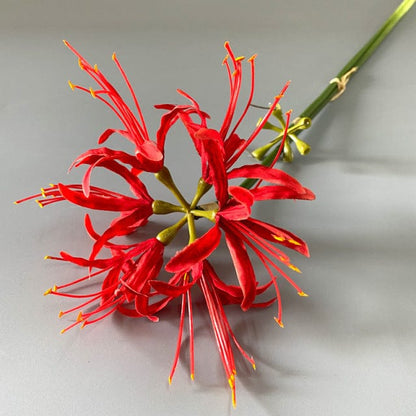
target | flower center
x=191, y=210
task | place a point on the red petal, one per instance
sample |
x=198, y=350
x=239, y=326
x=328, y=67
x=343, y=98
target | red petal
x=232, y=144
x=119, y=227
x=100, y=202
x=164, y=288
x=239, y=207
x=106, y=134
x=195, y=252
x=280, y=192
x=267, y=174
x=213, y=167
x=277, y=235
x=243, y=268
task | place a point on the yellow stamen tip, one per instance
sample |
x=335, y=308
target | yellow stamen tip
x=293, y=267
x=254, y=366
x=92, y=92
x=278, y=238
x=42, y=191
x=63, y=331
x=230, y=382
x=15, y=202
x=240, y=58
x=46, y=257
x=65, y=42
x=71, y=85
x=226, y=44
x=80, y=64
x=279, y=322
x=303, y=294
x=170, y=380
x=252, y=58
x=83, y=325
x=96, y=68
x=296, y=243
x=51, y=185
x=47, y=292
x=39, y=203
x=113, y=56
x=234, y=73
x=80, y=317
x=60, y=314
x=192, y=376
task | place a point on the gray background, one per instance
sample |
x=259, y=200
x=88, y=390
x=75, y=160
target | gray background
x=349, y=347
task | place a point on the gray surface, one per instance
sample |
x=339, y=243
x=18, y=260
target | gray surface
x=349, y=347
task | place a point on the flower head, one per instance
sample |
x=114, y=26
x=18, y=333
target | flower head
x=128, y=275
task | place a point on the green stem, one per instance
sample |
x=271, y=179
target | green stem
x=168, y=234
x=191, y=228
x=356, y=61
x=165, y=177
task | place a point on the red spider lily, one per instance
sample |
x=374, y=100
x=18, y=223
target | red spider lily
x=216, y=294
x=128, y=278
x=242, y=231
x=125, y=282
x=219, y=151
x=134, y=211
x=232, y=145
x=149, y=156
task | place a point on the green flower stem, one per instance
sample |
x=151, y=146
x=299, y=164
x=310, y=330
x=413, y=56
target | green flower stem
x=163, y=207
x=358, y=59
x=191, y=228
x=355, y=62
x=210, y=214
x=165, y=177
x=201, y=190
x=168, y=234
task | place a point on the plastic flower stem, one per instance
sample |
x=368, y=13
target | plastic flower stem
x=355, y=62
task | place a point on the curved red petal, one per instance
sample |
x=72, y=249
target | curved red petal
x=267, y=174
x=243, y=268
x=195, y=252
x=280, y=192
x=212, y=158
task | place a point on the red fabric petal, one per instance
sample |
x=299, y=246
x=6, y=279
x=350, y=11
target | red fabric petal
x=232, y=144
x=243, y=267
x=106, y=134
x=239, y=207
x=195, y=252
x=120, y=227
x=149, y=156
x=213, y=167
x=267, y=174
x=280, y=192
x=173, y=291
x=100, y=202
x=277, y=235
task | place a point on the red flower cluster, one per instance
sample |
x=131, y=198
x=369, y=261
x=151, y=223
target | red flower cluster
x=129, y=277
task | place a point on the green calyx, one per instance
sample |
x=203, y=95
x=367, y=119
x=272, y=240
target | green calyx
x=299, y=124
x=191, y=210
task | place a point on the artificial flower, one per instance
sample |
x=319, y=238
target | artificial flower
x=129, y=276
